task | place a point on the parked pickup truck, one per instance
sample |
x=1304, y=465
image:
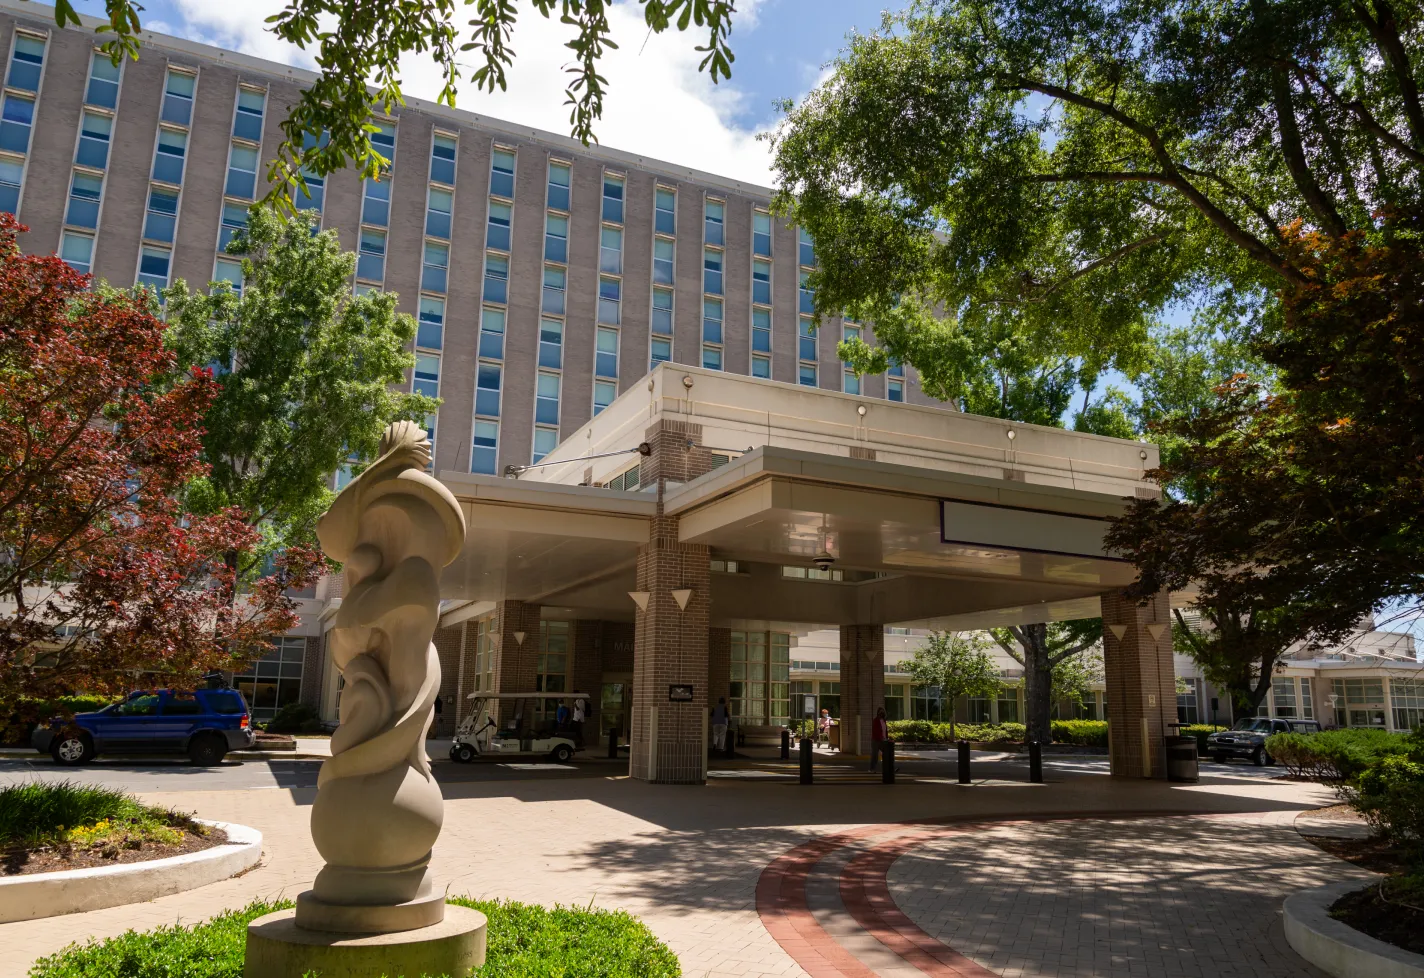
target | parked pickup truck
x=204, y=724
x=1247, y=738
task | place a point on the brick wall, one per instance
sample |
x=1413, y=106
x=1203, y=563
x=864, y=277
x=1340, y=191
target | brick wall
x=313, y=672
x=719, y=664
x=515, y=664
x=1141, y=683
x=586, y=672
x=449, y=646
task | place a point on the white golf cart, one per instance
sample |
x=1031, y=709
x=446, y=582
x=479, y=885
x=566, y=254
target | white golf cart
x=480, y=734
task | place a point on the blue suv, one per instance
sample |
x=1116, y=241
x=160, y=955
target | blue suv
x=204, y=724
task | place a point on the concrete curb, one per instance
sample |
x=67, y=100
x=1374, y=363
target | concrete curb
x=1337, y=948
x=1331, y=828
x=77, y=890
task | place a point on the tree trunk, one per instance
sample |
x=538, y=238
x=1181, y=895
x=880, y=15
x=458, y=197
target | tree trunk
x=1038, y=684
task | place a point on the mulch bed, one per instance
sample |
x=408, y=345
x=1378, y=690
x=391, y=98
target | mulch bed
x=1376, y=855
x=1382, y=918
x=21, y=862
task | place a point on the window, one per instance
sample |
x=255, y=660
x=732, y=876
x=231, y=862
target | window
x=610, y=300
x=168, y=160
x=662, y=312
x=247, y=120
x=604, y=392
x=442, y=159
x=103, y=88
x=850, y=332
x=435, y=267
x=497, y=234
x=711, y=358
x=234, y=219
x=612, y=198
x=1187, y=707
x=661, y=351
x=16, y=118
x=761, y=234
x=895, y=369
x=605, y=358
x=371, y=261
x=546, y=399
x=383, y=140
x=1007, y=704
x=312, y=197
x=274, y=680
x=229, y=270
x=11, y=176
x=610, y=250
x=761, y=282
x=485, y=451
x=806, y=339
x=26, y=62
x=558, y=196
x=806, y=294
x=895, y=390
x=241, y=171
x=626, y=481
x=894, y=700
x=496, y=278
x=438, y=207
x=1283, y=696
x=430, y=326
x=850, y=382
x=555, y=283
x=1407, y=698
x=95, y=130
x=761, y=330
x=545, y=441
x=806, y=375
x=761, y=366
x=1359, y=702
x=556, y=238
x=78, y=251
x=665, y=211
x=712, y=271
x=713, y=220
x=807, y=251
x=153, y=267
x=1307, y=707
x=427, y=375
x=162, y=215
x=712, y=321
x=178, y=97
x=85, y=192
x=376, y=203
x=662, y=261
x=487, y=381
x=492, y=333
x=551, y=343
x=502, y=173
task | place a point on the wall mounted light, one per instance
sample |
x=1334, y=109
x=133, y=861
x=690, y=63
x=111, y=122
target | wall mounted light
x=519, y=639
x=640, y=598
x=1011, y=434
x=860, y=410
x=682, y=596
x=687, y=381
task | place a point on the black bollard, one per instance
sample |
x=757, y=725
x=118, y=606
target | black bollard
x=786, y=745
x=1035, y=762
x=887, y=761
x=964, y=762
x=806, y=754
x=613, y=743
x=731, y=743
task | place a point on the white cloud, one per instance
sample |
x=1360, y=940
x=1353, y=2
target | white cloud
x=657, y=103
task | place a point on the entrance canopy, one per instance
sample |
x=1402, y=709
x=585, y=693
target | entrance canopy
x=919, y=516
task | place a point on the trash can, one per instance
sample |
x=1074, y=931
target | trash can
x=1181, y=759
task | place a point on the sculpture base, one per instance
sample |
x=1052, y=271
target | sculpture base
x=278, y=948
x=314, y=914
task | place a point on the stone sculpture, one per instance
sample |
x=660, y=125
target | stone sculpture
x=378, y=811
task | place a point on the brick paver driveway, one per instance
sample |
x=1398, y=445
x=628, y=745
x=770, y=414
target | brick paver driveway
x=755, y=879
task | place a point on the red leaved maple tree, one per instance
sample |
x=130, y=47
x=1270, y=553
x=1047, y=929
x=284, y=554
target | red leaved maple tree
x=103, y=576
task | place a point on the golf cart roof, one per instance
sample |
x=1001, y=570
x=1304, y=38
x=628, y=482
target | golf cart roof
x=528, y=696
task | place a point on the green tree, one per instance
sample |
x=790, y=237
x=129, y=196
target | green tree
x=306, y=376
x=958, y=664
x=1042, y=648
x=358, y=46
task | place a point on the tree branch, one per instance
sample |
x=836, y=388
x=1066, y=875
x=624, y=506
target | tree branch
x=1294, y=153
x=1068, y=653
x=1101, y=176
x=1385, y=31
x=1014, y=654
x=1087, y=269
x=1358, y=109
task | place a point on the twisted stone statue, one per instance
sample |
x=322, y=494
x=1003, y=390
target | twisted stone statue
x=378, y=811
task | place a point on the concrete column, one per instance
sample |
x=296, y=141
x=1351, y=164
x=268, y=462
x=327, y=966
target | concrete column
x=670, y=647
x=862, y=683
x=515, y=661
x=1141, y=686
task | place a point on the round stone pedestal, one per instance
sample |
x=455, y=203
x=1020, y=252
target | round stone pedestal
x=278, y=948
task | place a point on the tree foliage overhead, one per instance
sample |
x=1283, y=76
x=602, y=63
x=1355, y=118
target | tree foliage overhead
x=1051, y=174
x=957, y=664
x=358, y=46
x=1043, y=649
x=306, y=379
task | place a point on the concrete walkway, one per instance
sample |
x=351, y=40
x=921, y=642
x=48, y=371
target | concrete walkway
x=910, y=879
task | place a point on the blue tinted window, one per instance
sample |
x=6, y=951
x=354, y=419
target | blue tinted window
x=247, y=120
x=442, y=160
x=26, y=63
x=103, y=89
x=85, y=192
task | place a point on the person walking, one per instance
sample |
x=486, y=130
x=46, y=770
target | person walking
x=879, y=733
x=719, y=724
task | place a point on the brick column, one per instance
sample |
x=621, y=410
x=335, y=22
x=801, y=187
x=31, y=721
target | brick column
x=670, y=646
x=449, y=646
x=586, y=673
x=862, y=683
x=719, y=664
x=515, y=665
x=313, y=671
x=1141, y=683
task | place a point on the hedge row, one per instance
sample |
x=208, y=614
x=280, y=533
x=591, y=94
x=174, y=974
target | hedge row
x=1335, y=755
x=1089, y=733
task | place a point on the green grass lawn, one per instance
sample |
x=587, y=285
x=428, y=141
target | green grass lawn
x=524, y=942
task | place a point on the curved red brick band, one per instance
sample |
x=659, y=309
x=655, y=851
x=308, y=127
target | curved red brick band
x=781, y=896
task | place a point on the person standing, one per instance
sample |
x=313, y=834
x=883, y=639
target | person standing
x=719, y=724
x=823, y=732
x=578, y=722
x=879, y=733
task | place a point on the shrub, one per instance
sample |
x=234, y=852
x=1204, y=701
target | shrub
x=295, y=718
x=912, y=731
x=37, y=813
x=524, y=942
x=1088, y=733
x=1201, y=731
x=1334, y=755
x=20, y=723
x=1390, y=795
